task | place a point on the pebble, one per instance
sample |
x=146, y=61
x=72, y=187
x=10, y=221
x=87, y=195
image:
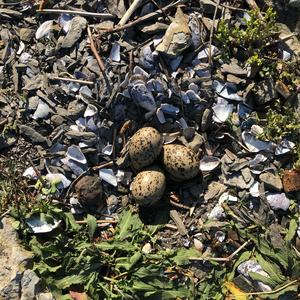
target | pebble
x=33, y=135
x=271, y=181
x=27, y=34
x=78, y=24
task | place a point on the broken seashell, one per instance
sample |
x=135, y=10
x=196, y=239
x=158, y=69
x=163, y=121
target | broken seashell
x=65, y=21
x=115, y=54
x=75, y=153
x=39, y=225
x=44, y=30
x=284, y=147
x=42, y=111
x=90, y=111
x=227, y=90
x=30, y=173
x=253, y=144
x=209, y=163
x=108, y=176
x=222, y=111
x=61, y=180
x=254, y=189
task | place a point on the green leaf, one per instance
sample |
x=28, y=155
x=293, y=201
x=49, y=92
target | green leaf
x=292, y=230
x=181, y=256
x=272, y=269
x=70, y=222
x=116, y=245
x=92, y=225
x=264, y=279
x=128, y=224
x=128, y=262
x=67, y=281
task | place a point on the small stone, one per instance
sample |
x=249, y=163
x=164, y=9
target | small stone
x=76, y=109
x=265, y=91
x=33, y=135
x=233, y=69
x=291, y=181
x=44, y=296
x=278, y=201
x=271, y=181
x=57, y=120
x=84, y=136
x=26, y=34
x=234, y=79
x=78, y=24
x=30, y=285
x=89, y=191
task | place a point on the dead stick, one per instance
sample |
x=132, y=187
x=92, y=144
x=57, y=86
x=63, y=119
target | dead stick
x=107, y=164
x=212, y=32
x=223, y=259
x=147, y=17
x=134, y=5
x=76, y=12
x=98, y=58
x=98, y=221
x=72, y=80
x=179, y=205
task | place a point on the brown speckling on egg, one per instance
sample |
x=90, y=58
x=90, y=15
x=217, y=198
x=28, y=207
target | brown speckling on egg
x=180, y=161
x=148, y=186
x=144, y=148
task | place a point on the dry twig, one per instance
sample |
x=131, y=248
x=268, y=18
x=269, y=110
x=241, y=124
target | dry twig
x=72, y=80
x=76, y=12
x=134, y=5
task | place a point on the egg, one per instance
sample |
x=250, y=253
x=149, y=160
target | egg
x=148, y=186
x=180, y=161
x=144, y=147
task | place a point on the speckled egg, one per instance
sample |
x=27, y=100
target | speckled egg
x=145, y=146
x=148, y=186
x=180, y=161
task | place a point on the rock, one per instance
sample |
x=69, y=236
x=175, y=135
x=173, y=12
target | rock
x=78, y=24
x=291, y=181
x=33, y=135
x=234, y=79
x=89, y=191
x=76, y=109
x=233, y=69
x=177, y=37
x=33, y=103
x=278, y=201
x=293, y=43
x=86, y=137
x=26, y=34
x=30, y=285
x=271, y=181
x=13, y=259
x=44, y=296
x=57, y=120
x=265, y=91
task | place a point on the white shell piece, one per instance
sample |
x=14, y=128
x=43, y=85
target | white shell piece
x=25, y=57
x=160, y=116
x=21, y=48
x=44, y=29
x=42, y=111
x=30, y=173
x=107, y=150
x=139, y=70
x=227, y=90
x=254, y=189
x=216, y=213
x=286, y=55
x=115, y=54
x=253, y=144
x=54, y=177
x=209, y=163
x=75, y=153
x=252, y=266
x=205, y=52
x=284, y=147
x=108, y=176
x=222, y=111
x=90, y=111
x=65, y=21
x=40, y=226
